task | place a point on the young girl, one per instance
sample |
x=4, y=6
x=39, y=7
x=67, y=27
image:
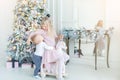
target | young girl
x=100, y=41
x=37, y=56
x=60, y=48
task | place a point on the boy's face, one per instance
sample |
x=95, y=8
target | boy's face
x=38, y=39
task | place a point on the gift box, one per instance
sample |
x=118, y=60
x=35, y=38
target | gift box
x=26, y=66
x=11, y=64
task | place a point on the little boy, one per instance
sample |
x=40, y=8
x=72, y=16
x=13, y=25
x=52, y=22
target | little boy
x=37, y=56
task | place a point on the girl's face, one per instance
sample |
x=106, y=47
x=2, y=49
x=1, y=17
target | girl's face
x=60, y=37
x=44, y=26
x=100, y=23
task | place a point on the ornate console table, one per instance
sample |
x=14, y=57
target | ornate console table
x=92, y=35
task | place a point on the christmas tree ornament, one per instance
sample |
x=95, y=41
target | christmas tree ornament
x=20, y=9
x=44, y=1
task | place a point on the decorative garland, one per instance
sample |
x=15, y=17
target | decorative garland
x=85, y=34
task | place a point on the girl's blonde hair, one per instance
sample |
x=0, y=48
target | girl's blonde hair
x=51, y=32
x=100, y=23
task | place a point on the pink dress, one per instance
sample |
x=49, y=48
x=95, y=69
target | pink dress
x=100, y=41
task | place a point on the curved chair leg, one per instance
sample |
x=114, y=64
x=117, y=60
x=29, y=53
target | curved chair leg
x=108, y=47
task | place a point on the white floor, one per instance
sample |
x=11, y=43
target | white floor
x=78, y=69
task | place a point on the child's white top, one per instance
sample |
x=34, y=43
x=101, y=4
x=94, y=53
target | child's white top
x=61, y=45
x=40, y=48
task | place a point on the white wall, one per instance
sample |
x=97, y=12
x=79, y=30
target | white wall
x=90, y=11
x=77, y=13
x=67, y=14
x=113, y=19
x=6, y=22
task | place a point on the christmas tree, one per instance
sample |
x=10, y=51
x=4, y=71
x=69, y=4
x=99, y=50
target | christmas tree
x=27, y=16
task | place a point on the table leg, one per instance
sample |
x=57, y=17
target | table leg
x=80, y=51
x=95, y=52
x=108, y=47
x=67, y=43
x=95, y=61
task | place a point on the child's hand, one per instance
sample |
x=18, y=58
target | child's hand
x=28, y=41
x=65, y=47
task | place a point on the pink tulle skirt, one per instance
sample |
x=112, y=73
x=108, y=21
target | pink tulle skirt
x=50, y=57
x=49, y=60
